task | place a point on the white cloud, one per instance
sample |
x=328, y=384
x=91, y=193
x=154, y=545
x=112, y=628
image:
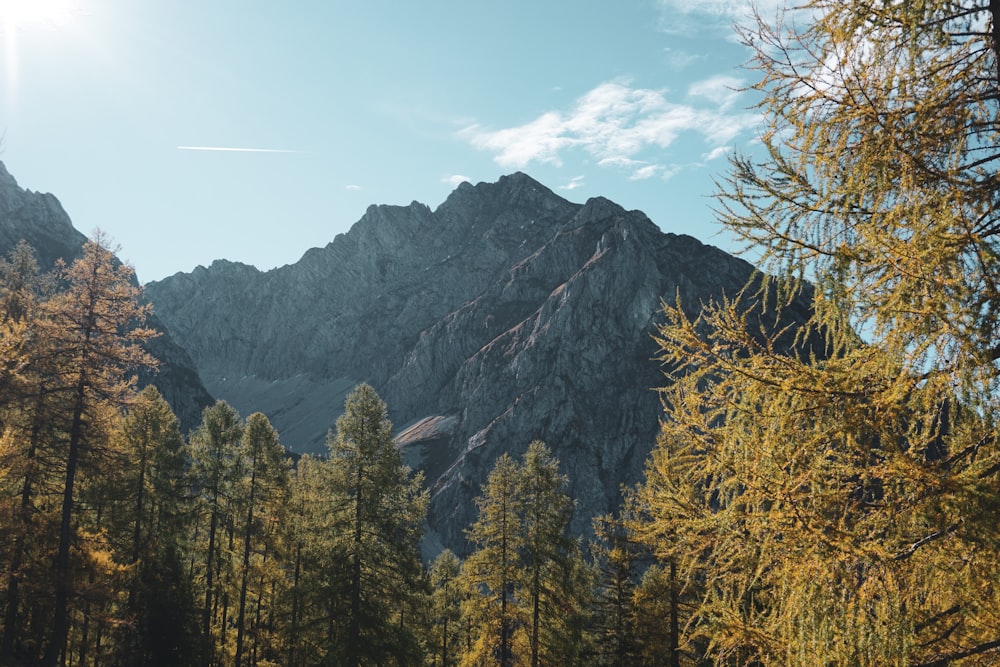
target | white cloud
x=646, y=172
x=727, y=11
x=455, y=180
x=573, y=184
x=680, y=60
x=621, y=126
x=716, y=153
x=717, y=18
x=352, y=187
x=722, y=90
x=619, y=162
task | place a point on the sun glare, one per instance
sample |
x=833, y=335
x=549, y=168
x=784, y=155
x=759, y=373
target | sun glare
x=19, y=13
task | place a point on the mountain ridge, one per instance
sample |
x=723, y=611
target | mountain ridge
x=504, y=315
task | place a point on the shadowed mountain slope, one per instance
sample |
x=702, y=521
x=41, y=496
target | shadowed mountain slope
x=505, y=315
x=40, y=220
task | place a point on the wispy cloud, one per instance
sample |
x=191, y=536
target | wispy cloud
x=679, y=15
x=454, y=180
x=621, y=126
x=722, y=90
x=232, y=149
x=716, y=153
x=352, y=187
x=573, y=183
x=643, y=173
x=678, y=60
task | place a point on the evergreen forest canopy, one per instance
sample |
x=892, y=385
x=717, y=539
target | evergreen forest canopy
x=797, y=509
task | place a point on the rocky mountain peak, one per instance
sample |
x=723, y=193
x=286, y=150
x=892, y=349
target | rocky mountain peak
x=506, y=314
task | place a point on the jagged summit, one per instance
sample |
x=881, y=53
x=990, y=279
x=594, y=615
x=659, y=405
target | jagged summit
x=506, y=314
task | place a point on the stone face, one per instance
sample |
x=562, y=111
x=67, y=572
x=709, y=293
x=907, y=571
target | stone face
x=505, y=315
x=40, y=220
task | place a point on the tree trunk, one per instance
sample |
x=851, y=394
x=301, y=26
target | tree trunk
x=60, y=623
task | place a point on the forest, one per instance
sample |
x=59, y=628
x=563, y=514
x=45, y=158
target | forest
x=805, y=504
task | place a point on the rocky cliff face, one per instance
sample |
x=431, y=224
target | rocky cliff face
x=505, y=315
x=40, y=220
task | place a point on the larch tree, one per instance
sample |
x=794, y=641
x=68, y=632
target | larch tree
x=839, y=508
x=493, y=571
x=265, y=486
x=383, y=506
x=26, y=430
x=444, y=624
x=95, y=329
x=545, y=509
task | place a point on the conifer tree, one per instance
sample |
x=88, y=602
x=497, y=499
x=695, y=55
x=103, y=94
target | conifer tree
x=527, y=586
x=492, y=572
x=26, y=425
x=265, y=486
x=545, y=509
x=316, y=565
x=153, y=515
x=94, y=326
x=216, y=467
x=383, y=508
x=445, y=609
x=833, y=504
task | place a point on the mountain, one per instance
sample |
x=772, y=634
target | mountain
x=505, y=315
x=41, y=220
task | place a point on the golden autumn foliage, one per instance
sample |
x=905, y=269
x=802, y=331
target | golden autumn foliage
x=836, y=503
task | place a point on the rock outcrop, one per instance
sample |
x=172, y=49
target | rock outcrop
x=40, y=220
x=505, y=315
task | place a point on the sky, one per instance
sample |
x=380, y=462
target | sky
x=253, y=130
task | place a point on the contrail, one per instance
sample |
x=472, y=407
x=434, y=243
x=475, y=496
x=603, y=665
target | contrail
x=228, y=149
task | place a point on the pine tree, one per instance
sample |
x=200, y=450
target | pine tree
x=215, y=470
x=527, y=586
x=616, y=557
x=154, y=515
x=26, y=425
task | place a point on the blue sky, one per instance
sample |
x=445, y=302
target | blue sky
x=349, y=104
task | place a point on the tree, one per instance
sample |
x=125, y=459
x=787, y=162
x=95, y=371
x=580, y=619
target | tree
x=383, y=507
x=215, y=469
x=615, y=556
x=493, y=570
x=95, y=329
x=316, y=556
x=26, y=424
x=266, y=483
x=830, y=502
x=445, y=608
x=153, y=514
x=527, y=586
x=546, y=509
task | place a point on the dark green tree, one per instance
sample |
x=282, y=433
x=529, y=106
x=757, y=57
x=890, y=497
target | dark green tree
x=153, y=515
x=215, y=470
